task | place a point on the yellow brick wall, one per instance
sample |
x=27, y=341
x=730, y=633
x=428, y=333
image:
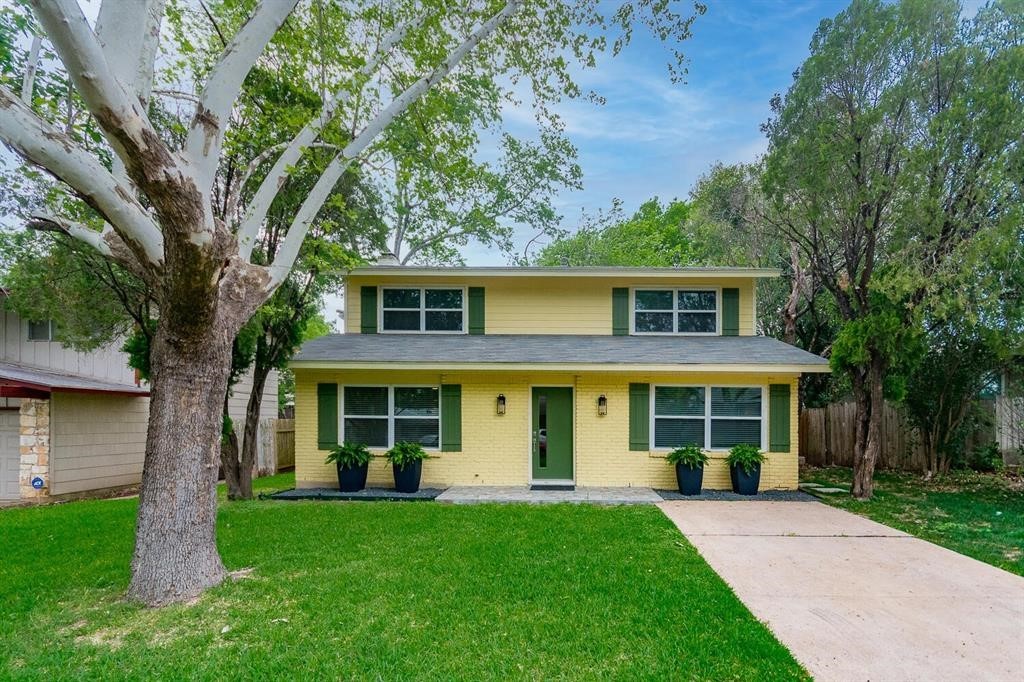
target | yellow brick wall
x=550, y=305
x=496, y=448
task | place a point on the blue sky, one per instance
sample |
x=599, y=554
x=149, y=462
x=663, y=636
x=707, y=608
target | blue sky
x=655, y=138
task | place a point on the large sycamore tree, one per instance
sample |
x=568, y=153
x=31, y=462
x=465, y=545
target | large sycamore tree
x=156, y=198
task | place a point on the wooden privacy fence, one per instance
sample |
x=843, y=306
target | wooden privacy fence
x=827, y=436
x=276, y=448
x=1010, y=428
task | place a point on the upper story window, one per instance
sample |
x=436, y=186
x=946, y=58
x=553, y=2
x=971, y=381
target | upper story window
x=420, y=309
x=675, y=311
x=42, y=331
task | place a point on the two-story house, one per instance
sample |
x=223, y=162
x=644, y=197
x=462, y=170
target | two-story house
x=75, y=422
x=558, y=376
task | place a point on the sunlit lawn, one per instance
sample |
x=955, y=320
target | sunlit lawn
x=381, y=591
x=980, y=515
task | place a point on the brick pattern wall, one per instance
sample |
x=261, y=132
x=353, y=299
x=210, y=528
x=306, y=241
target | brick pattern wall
x=35, y=447
x=496, y=448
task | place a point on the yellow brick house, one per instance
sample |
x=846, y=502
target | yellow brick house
x=549, y=375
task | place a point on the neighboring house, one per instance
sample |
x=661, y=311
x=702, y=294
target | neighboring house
x=517, y=376
x=73, y=422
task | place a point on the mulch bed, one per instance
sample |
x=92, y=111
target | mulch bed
x=728, y=495
x=367, y=494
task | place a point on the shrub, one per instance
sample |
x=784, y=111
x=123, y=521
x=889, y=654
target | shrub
x=688, y=455
x=745, y=456
x=349, y=455
x=986, y=458
x=406, y=453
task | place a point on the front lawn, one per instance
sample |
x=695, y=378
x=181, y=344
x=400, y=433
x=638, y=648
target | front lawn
x=381, y=591
x=979, y=515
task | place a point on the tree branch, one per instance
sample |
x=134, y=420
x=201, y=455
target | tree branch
x=272, y=183
x=47, y=223
x=234, y=194
x=325, y=184
x=206, y=135
x=121, y=115
x=31, y=66
x=53, y=150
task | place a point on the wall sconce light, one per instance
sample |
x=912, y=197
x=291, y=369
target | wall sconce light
x=602, y=405
x=501, y=404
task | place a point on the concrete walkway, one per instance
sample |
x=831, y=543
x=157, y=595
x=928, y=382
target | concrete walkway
x=856, y=600
x=473, y=494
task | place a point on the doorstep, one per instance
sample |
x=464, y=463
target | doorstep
x=477, y=494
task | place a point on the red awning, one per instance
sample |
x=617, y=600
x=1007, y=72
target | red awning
x=17, y=381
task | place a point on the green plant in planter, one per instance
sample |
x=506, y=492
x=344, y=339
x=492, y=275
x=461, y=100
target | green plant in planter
x=405, y=453
x=689, y=456
x=349, y=456
x=745, y=456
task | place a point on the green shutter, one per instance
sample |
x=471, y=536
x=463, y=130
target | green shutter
x=640, y=417
x=476, y=310
x=451, y=417
x=326, y=416
x=368, y=310
x=730, y=312
x=778, y=418
x=620, y=312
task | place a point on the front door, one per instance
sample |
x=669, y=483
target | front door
x=551, y=458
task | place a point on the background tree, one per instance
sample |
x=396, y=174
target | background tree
x=652, y=237
x=890, y=152
x=158, y=206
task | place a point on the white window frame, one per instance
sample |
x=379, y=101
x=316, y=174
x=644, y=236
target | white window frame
x=675, y=311
x=49, y=331
x=390, y=416
x=763, y=419
x=423, y=309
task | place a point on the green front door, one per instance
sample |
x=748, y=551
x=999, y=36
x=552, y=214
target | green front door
x=551, y=458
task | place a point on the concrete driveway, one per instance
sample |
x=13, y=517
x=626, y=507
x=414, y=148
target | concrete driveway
x=856, y=600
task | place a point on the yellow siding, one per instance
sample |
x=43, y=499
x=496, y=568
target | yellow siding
x=496, y=449
x=550, y=305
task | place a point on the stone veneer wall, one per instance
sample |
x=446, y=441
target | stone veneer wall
x=35, y=447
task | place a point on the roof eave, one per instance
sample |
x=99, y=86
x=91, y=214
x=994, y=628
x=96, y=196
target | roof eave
x=731, y=368
x=503, y=271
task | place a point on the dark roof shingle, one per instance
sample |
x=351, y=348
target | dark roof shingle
x=555, y=349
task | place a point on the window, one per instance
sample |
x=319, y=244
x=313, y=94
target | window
x=675, y=311
x=381, y=416
x=41, y=331
x=440, y=311
x=711, y=417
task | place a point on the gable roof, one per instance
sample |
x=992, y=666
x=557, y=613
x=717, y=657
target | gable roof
x=555, y=351
x=562, y=271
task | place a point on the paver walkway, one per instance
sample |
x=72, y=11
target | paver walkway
x=857, y=600
x=471, y=494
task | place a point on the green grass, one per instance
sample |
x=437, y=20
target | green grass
x=381, y=591
x=979, y=515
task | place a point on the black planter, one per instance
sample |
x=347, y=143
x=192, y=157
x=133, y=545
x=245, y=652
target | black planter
x=689, y=478
x=407, y=480
x=744, y=483
x=350, y=479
